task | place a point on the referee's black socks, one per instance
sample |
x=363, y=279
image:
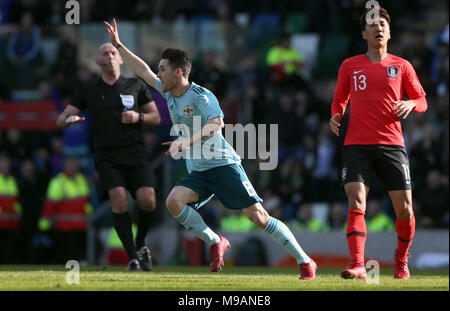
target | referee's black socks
x=144, y=221
x=122, y=224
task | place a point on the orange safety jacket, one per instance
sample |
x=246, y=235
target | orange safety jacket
x=67, y=206
x=10, y=208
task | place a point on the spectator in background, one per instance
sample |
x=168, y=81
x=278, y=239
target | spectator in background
x=323, y=173
x=64, y=70
x=378, y=220
x=289, y=128
x=66, y=211
x=32, y=188
x=56, y=14
x=284, y=62
x=210, y=73
x=15, y=145
x=338, y=216
x=286, y=65
x=307, y=221
x=10, y=211
x=249, y=93
x=24, y=52
x=426, y=154
x=41, y=159
x=434, y=199
x=5, y=8
x=288, y=181
x=440, y=54
x=56, y=157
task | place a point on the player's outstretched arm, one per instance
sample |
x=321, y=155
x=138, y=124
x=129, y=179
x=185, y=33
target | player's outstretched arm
x=69, y=116
x=140, y=68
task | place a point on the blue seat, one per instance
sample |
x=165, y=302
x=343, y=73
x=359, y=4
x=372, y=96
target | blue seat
x=264, y=25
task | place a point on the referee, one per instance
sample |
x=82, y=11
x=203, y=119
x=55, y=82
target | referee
x=118, y=108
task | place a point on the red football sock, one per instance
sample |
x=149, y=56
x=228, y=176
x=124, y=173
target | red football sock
x=356, y=235
x=405, y=233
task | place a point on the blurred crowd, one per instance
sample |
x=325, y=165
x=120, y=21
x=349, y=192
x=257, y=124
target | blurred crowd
x=304, y=190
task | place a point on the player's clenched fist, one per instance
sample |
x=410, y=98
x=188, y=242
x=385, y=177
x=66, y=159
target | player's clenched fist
x=335, y=123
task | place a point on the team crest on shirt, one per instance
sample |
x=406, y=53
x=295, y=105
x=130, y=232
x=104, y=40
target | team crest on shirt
x=392, y=72
x=188, y=110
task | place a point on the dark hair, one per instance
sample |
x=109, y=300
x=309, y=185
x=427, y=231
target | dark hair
x=383, y=13
x=178, y=59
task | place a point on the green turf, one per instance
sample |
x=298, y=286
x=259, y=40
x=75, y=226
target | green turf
x=51, y=278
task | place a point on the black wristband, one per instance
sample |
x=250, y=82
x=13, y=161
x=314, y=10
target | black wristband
x=141, y=118
x=117, y=46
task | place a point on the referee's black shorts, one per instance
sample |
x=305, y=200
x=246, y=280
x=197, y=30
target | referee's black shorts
x=389, y=163
x=130, y=177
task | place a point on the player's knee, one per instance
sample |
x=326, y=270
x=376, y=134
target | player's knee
x=147, y=200
x=174, y=205
x=405, y=213
x=403, y=207
x=119, y=200
x=259, y=217
x=356, y=201
x=119, y=204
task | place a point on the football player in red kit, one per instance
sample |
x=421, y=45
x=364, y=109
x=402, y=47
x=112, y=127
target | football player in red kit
x=375, y=84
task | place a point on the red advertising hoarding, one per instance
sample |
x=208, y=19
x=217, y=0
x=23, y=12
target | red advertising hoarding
x=40, y=115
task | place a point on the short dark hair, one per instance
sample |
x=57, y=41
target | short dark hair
x=178, y=59
x=383, y=13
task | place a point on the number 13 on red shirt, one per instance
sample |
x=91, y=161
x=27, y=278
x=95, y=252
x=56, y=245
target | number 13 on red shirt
x=360, y=82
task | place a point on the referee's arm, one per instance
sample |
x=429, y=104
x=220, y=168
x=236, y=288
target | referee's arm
x=69, y=116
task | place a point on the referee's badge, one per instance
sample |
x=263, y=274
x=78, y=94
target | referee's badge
x=127, y=101
x=188, y=110
x=392, y=72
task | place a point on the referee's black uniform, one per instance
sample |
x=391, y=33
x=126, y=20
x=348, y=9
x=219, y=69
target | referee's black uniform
x=117, y=146
x=120, y=157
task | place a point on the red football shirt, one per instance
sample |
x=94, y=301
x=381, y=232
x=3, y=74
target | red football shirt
x=372, y=88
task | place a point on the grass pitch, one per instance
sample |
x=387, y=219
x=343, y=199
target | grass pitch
x=98, y=278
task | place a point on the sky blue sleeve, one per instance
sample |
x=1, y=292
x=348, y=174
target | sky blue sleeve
x=209, y=106
x=158, y=87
